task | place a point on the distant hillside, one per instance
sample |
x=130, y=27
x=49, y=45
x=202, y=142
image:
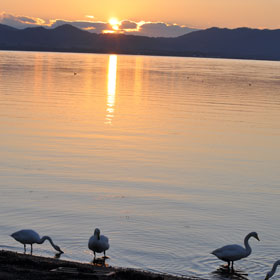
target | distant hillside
x=213, y=42
x=240, y=42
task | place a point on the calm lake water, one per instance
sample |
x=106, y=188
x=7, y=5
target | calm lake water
x=170, y=157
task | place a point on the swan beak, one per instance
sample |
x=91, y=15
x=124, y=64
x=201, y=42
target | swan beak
x=258, y=238
x=60, y=251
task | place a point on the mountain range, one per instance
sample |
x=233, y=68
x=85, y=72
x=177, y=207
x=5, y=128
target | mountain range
x=242, y=43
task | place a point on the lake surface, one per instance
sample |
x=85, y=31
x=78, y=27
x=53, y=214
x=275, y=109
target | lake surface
x=170, y=157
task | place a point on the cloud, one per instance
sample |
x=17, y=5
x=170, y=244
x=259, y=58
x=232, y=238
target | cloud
x=127, y=24
x=96, y=27
x=20, y=21
x=161, y=29
x=27, y=20
x=151, y=29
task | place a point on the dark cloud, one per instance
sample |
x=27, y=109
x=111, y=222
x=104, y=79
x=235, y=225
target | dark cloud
x=27, y=20
x=160, y=29
x=20, y=21
x=127, y=24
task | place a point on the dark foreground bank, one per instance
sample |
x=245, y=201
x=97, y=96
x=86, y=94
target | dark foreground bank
x=20, y=266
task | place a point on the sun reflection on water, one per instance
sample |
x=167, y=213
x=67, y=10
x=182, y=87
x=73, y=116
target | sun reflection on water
x=111, y=88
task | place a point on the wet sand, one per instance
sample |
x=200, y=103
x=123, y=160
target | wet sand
x=23, y=266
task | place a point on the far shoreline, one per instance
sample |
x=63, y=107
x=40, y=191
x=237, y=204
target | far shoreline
x=156, y=53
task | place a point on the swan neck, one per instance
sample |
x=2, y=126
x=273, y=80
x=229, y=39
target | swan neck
x=44, y=238
x=274, y=268
x=247, y=245
x=97, y=235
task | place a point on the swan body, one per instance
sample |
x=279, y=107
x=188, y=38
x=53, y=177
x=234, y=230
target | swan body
x=271, y=273
x=29, y=236
x=234, y=252
x=98, y=243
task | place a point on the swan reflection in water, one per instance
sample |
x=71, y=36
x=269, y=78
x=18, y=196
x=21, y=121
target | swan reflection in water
x=57, y=255
x=223, y=272
x=100, y=261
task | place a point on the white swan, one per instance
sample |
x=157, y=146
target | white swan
x=271, y=273
x=98, y=243
x=29, y=236
x=231, y=253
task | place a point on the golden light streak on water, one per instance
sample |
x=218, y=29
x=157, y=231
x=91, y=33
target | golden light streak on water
x=111, y=88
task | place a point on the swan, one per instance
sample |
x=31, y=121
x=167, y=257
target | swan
x=29, y=236
x=271, y=273
x=231, y=253
x=98, y=243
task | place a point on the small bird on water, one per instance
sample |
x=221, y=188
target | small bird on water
x=98, y=243
x=231, y=253
x=29, y=236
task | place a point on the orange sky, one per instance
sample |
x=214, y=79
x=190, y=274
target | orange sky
x=193, y=13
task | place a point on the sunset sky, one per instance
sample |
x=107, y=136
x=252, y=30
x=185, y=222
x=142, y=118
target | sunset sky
x=197, y=14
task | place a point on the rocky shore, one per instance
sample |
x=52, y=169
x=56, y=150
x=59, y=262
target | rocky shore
x=23, y=266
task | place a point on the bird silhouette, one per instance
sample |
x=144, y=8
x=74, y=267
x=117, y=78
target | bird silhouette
x=272, y=271
x=98, y=243
x=29, y=236
x=234, y=252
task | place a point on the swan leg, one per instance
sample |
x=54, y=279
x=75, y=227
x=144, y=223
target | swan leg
x=31, y=251
x=24, y=248
x=94, y=255
x=232, y=265
x=228, y=264
x=105, y=257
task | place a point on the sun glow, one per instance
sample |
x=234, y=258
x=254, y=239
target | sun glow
x=115, y=23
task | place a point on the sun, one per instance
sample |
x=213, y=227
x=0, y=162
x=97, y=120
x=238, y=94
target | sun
x=114, y=23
